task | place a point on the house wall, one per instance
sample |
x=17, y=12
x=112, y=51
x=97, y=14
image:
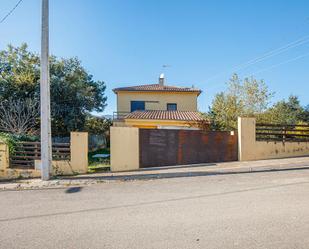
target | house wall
x=158, y=100
x=124, y=148
x=250, y=149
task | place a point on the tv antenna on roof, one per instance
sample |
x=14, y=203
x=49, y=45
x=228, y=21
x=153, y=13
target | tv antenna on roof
x=166, y=65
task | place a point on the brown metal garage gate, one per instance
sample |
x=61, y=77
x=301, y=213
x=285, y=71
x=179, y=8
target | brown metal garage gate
x=159, y=147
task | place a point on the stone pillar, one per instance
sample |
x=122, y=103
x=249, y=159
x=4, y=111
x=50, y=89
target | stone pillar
x=246, y=139
x=4, y=156
x=124, y=148
x=79, y=152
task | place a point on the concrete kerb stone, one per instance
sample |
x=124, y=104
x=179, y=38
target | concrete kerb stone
x=161, y=173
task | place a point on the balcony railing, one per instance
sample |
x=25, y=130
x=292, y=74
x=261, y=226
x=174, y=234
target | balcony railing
x=119, y=115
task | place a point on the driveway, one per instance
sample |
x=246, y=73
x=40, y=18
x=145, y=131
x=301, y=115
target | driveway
x=245, y=210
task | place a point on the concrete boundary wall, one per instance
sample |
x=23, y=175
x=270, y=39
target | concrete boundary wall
x=250, y=149
x=4, y=156
x=78, y=163
x=124, y=148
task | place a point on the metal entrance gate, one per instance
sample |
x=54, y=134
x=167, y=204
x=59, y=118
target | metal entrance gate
x=159, y=147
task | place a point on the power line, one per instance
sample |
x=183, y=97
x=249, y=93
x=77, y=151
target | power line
x=275, y=52
x=268, y=68
x=265, y=56
x=10, y=12
x=281, y=63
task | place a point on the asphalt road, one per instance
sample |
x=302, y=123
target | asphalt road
x=249, y=210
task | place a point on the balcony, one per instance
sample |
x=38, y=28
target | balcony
x=119, y=116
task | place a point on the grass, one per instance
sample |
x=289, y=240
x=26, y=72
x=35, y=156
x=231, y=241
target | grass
x=98, y=168
x=98, y=164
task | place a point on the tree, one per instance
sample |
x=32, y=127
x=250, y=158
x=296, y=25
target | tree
x=74, y=92
x=97, y=125
x=286, y=112
x=19, y=73
x=249, y=97
x=224, y=111
x=305, y=116
x=73, y=95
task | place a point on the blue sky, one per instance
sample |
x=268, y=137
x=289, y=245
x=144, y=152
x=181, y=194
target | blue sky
x=126, y=42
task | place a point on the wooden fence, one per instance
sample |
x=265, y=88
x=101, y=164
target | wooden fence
x=283, y=133
x=27, y=152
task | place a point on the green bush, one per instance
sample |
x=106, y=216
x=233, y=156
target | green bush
x=10, y=140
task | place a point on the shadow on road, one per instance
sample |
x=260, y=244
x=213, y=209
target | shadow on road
x=73, y=190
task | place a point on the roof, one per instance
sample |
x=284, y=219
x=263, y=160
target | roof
x=157, y=88
x=165, y=115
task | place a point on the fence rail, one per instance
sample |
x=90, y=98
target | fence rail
x=276, y=132
x=119, y=115
x=27, y=152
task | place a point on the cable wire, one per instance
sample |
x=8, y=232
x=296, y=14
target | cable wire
x=266, y=69
x=265, y=56
x=11, y=11
x=281, y=63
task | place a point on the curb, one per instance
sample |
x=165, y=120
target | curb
x=87, y=180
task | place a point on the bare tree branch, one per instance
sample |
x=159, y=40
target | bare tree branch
x=19, y=116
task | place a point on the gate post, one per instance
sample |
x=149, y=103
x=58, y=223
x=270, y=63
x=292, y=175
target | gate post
x=79, y=152
x=246, y=139
x=124, y=148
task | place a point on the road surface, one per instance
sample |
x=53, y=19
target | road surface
x=248, y=210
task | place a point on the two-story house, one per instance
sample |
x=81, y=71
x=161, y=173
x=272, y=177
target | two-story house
x=157, y=106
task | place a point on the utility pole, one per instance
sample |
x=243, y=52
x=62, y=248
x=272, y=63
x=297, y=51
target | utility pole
x=46, y=148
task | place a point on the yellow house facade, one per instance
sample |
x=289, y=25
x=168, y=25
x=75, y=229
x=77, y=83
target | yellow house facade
x=157, y=106
x=157, y=100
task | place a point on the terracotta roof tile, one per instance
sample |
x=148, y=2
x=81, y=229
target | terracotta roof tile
x=157, y=88
x=166, y=115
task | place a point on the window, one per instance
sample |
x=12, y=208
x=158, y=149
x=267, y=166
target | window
x=172, y=107
x=137, y=106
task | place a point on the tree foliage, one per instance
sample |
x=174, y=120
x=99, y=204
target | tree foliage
x=74, y=92
x=285, y=112
x=224, y=111
x=251, y=98
x=96, y=125
x=242, y=98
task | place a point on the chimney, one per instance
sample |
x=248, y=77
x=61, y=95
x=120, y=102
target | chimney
x=161, y=79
